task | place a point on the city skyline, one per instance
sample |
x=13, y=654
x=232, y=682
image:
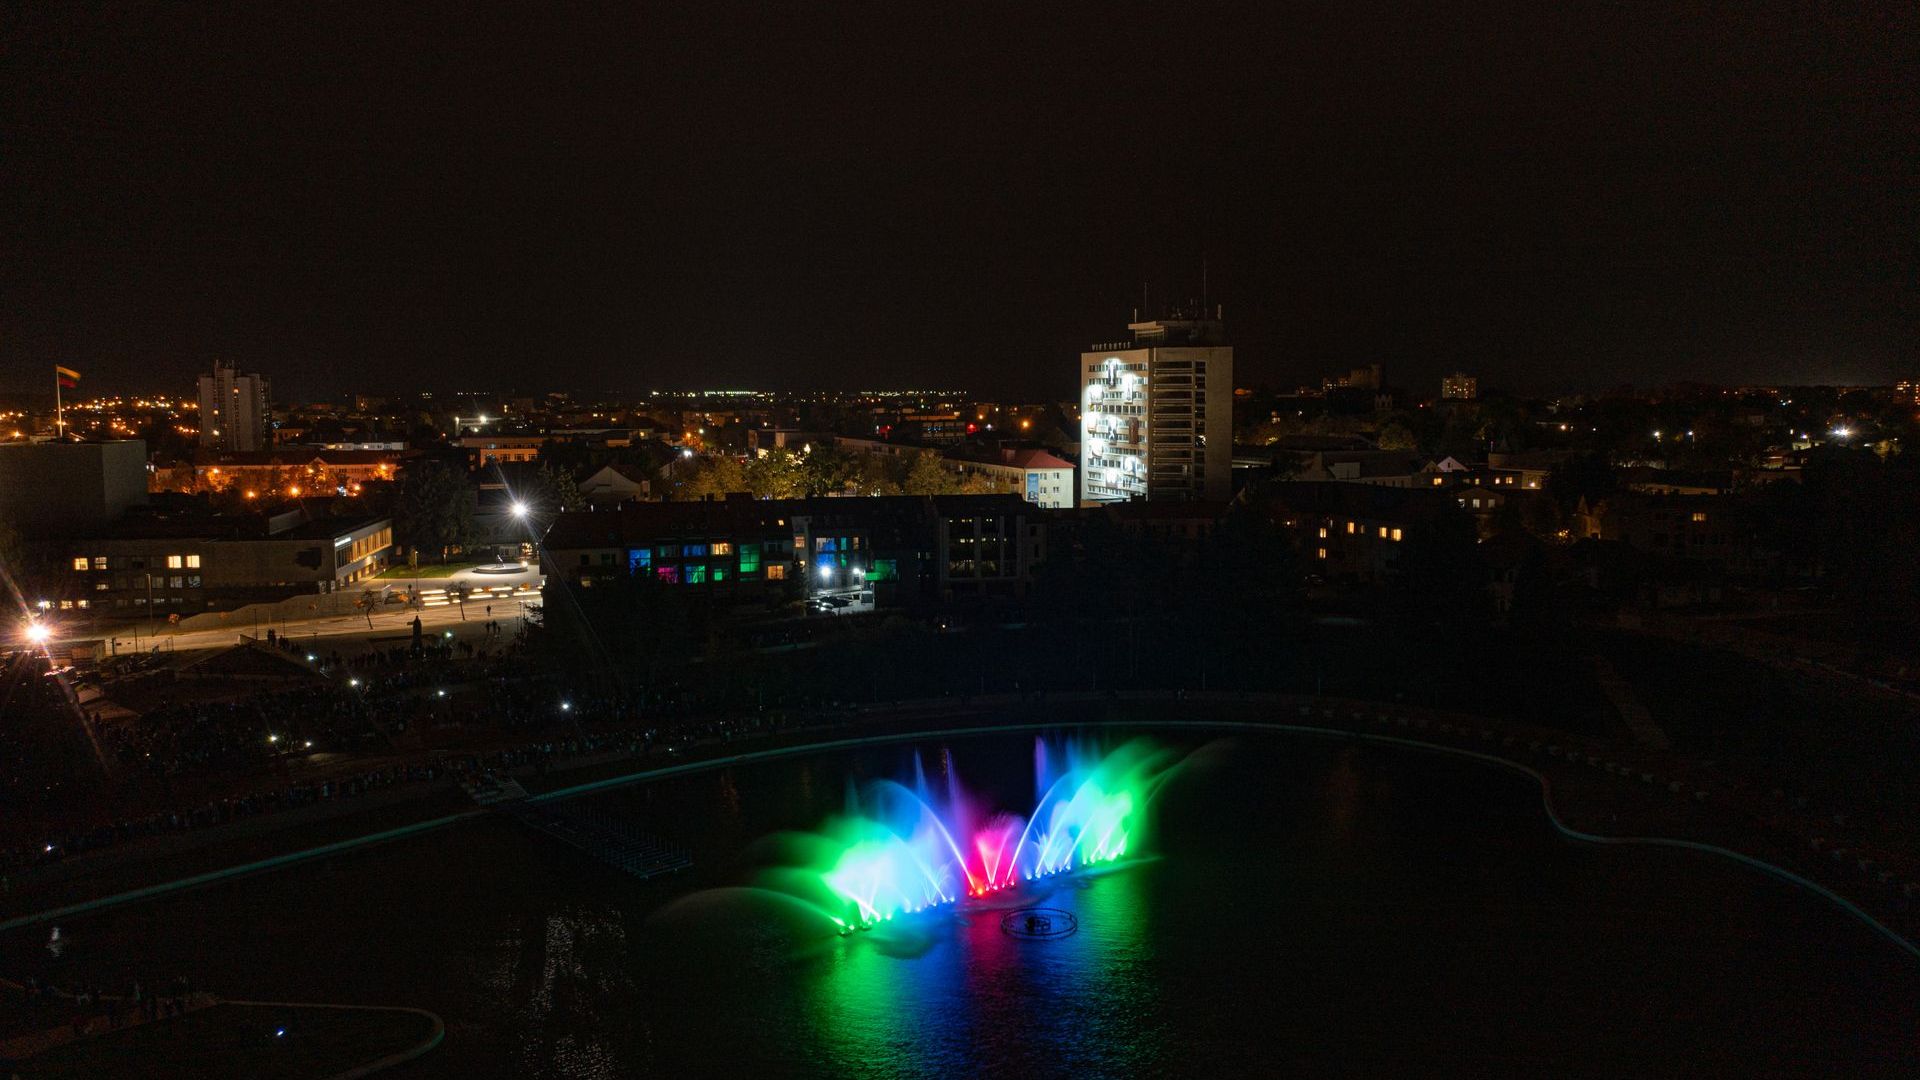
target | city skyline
x=644, y=199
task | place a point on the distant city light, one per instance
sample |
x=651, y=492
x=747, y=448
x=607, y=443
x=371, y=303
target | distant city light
x=1842, y=432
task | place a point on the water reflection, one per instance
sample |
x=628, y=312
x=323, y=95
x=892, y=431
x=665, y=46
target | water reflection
x=953, y=993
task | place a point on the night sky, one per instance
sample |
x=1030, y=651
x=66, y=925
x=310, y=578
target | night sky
x=359, y=198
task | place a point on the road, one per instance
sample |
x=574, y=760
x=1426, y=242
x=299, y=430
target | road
x=508, y=595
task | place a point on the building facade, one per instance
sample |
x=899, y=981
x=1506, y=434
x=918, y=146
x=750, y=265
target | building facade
x=842, y=555
x=55, y=488
x=233, y=410
x=146, y=567
x=1459, y=386
x=1156, y=414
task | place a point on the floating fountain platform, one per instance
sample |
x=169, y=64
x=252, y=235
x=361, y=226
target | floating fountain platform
x=1039, y=922
x=501, y=568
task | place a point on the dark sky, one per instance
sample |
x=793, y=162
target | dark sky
x=363, y=198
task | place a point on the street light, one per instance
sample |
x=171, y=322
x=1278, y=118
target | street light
x=39, y=632
x=519, y=509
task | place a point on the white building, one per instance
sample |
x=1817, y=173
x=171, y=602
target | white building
x=1034, y=475
x=1156, y=415
x=233, y=409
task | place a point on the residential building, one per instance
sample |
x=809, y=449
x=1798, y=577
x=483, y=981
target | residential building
x=294, y=471
x=1156, y=417
x=615, y=484
x=1034, y=475
x=488, y=449
x=1355, y=533
x=1360, y=378
x=762, y=440
x=1459, y=386
x=1384, y=468
x=233, y=410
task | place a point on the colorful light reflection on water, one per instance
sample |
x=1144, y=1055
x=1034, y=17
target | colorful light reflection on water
x=903, y=848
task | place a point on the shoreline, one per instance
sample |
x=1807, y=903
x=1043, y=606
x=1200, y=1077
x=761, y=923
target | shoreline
x=1591, y=793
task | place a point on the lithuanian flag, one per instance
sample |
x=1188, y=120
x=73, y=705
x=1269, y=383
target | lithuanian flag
x=69, y=378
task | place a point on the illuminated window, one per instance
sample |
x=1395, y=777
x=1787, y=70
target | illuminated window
x=695, y=550
x=175, y=562
x=1699, y=515
x=1383, y=532
x=885, y=570
x=99, y=562
x=667, y=575
x=80, y=562
x=193, y=562
x=723, y=549
x=1323, y=553
x=1323, y=532
x=749, y=559
x=799, y=543
x=667, y=551
x=696, y=573
x=1396, y=534
x=639, y=560
x=776, y=571
x=1352, y=527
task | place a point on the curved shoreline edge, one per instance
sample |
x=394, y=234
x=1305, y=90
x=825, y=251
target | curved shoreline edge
x=776, y=753
x=434, y=1037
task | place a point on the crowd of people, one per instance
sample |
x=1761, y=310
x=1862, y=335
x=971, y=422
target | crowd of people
x=372, y=703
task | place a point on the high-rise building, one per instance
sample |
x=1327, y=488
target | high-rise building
x=233, y=409
x=1459, y=386
x=1156, y=414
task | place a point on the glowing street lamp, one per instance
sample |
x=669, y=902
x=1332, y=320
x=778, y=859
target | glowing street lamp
x=519, y=509
x=38, y=633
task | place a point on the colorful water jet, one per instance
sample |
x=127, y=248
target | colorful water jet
x=903, y=848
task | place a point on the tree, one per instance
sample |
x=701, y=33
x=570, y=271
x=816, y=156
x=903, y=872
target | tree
x=929, y=475
x=976, y=484
x=554, y=489
x=717, y=477
x=875, y=474
x=778, y=474
x=1396, y=435
x=435, y=511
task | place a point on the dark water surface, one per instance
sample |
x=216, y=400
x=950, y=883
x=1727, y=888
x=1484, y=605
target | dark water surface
x=1307, y=906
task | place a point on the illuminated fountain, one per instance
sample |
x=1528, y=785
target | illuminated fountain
x=904, y=848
